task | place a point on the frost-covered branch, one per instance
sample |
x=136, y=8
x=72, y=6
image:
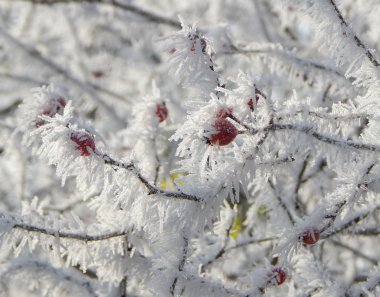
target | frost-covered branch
x=365, y=288
x=226, y=249
x=149, y=16
x=66, y=235
x=355, y=251
x=152, y=189
x=89, y=88
x=347, y=31
x=181, y=264
x=59, y=279
x=277, y=147
x=292, y=57
x=281, y=202
x=308, y=130
x=332, y=214
x=352, y=222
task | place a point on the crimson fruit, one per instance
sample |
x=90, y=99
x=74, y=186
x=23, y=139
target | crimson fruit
x=51, y=108
x=224, y=112
x=225, y=132
x=277, y=276
x=310, y=236
x=84, y=141
x=250, y=103
x=161, y=111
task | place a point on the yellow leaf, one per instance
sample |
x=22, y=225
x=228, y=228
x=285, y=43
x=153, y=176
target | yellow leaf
x=170, y=183
x=237, y=226
x=263, y=210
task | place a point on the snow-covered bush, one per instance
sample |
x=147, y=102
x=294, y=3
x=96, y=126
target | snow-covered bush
x=229, y=151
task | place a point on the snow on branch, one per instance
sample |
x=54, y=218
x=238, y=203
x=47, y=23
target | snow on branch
x=348, y=32
x=200, y=162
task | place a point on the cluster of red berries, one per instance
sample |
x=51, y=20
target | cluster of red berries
x=84, y=142
x=52, y=107
x=226, y=132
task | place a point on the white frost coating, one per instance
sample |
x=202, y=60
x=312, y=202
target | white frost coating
x=244, y=162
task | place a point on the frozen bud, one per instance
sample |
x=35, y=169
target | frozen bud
x=276, y=277
x=223, y=113
x=310, y=236
x=161, y=111
x=51, y=108
x=225, y=132
x=84, y=142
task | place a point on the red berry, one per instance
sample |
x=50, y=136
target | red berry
x=310, y=236
x=51, y=108
x=250, y=103
x=84, y=141
x=224, y=112
x=276, y=277
x=161, y=111
x=225, y=132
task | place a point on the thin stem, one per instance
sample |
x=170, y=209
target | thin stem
x=152, y=189
x=181, y=264
x=332, y=214
x=34, y=53
x=281, y=202
x=320, y=167
x=298, y=203
x=291, y=56
x=348, y=117
x=67, y=235
x=149, y=16
x=356, y=219
x=221, y=251
x=319, y=136
x=358, y=42
x=354, y=251
x=124, y=282
x=44, y=267
x=366, y=287
x=158, y=163
x=273, y=162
